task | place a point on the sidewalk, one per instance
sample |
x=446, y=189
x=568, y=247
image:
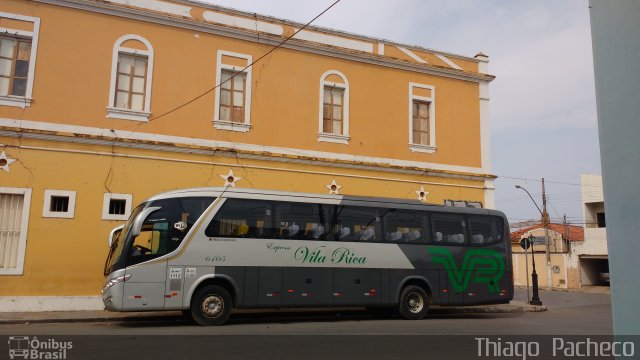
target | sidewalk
x=585, y=289
x=106, y=316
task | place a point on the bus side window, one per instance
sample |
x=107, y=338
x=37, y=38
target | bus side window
x=356, y=223
x=405, y=226
x=302, y=221
x=448, y=228
x=485, y=229
x=242, y=218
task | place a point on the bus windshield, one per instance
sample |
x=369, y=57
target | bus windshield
x=118, y=243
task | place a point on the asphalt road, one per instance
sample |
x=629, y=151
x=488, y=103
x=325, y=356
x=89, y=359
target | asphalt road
x=353, y=333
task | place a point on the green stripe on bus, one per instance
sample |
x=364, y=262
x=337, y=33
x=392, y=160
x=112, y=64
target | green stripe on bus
x=478, y=266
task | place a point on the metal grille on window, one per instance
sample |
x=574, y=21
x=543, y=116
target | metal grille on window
x=117, y=206
x=232, y=96
x=10, y=220
x=332, y=110
x=420, y=116
x=59, y=204
x=131, y=82
x=14, y=65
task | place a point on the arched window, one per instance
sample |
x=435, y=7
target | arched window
x=334, y=108
x=131, y=76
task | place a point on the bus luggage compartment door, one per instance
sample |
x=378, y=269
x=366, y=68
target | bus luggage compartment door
x=270, y=286
x=307, y=286
x=450, y=291
x=487, y=286
x=356, y=287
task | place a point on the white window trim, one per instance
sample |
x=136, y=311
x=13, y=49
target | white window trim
x=56, y=214
x=330, y=137
x=23, y=101
x=229, y=125
x=126, y=114
x=128, y=198
x=431, y=148
x=24, y=226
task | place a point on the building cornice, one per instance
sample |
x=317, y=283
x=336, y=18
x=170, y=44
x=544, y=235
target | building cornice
x=26, y=129
x=295, y=24
x=293, y=44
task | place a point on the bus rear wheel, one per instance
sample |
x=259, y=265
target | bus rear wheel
x=414, y=303
x=211, y=305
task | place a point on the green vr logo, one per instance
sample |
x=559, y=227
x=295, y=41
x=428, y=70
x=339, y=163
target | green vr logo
x=478, y=266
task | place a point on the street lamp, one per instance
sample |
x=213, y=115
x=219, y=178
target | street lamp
x=534, y=202
x=535, y=299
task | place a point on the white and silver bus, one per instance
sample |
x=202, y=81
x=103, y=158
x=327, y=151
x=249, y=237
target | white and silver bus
x=208, y=251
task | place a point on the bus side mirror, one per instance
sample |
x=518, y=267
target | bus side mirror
x=139, y=220
x=114, y=234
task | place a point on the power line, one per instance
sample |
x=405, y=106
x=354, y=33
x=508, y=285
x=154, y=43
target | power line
x=246, y=67
x=546, y=181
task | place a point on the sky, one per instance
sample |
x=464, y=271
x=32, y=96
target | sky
x=543, y=113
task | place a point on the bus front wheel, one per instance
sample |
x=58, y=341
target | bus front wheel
x=211, y=305
x=414, y=303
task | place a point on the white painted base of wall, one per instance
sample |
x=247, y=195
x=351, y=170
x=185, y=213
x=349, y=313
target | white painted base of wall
x=49, y=303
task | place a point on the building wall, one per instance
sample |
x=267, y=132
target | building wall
x=591, y=188
x=565, y=277
x=556, y=245
x=595, y=242
x=592, y=199
x=615, y=28
x=73, y=88
x=63, y=139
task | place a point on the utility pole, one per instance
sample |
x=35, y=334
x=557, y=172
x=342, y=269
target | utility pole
x=545, y=222
x=566, y=232
x=568, y=237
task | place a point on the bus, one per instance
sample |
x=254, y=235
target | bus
x=207, y=251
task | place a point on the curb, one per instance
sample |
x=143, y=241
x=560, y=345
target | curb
x=513, y=307
x=174, y=316
x=167, y=316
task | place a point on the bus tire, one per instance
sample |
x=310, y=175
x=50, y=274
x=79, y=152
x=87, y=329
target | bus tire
x=211, y=305
x=414, y=303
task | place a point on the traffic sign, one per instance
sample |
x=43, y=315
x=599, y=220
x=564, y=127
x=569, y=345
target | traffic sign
x=525, y=243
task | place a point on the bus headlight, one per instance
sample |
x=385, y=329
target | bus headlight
x=115, y=281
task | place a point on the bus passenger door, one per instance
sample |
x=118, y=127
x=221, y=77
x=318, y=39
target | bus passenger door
x=145, y=288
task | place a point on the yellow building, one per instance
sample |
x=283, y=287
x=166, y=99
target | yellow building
x=104, y=103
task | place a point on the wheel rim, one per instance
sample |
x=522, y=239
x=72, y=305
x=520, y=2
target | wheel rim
x=415, y=302
x=212, y=306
